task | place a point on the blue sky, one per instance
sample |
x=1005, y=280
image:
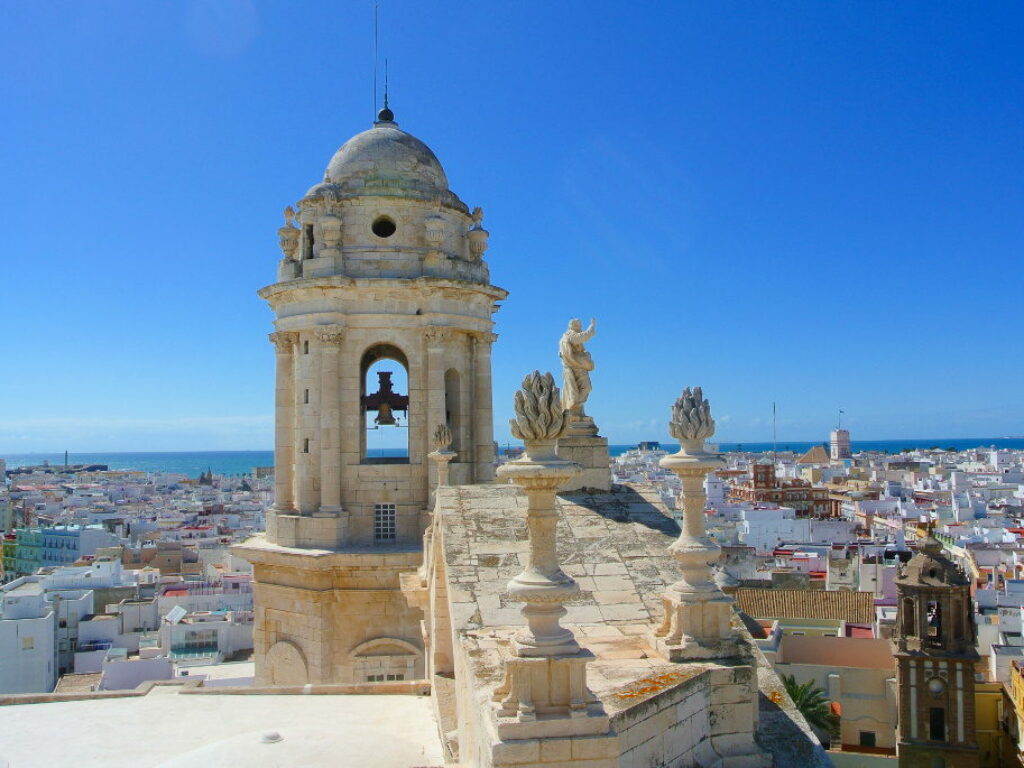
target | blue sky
x=817, y=204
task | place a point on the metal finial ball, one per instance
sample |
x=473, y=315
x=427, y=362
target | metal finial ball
x=385, y=116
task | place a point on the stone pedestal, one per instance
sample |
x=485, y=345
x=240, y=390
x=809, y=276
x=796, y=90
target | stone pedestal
x=697, y=614
x=543, y=586
x=321, y=530
x=545, y=685
x=591, y=453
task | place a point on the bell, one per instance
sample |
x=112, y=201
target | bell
x=384, y=416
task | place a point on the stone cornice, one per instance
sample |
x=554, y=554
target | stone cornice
x=276, y=290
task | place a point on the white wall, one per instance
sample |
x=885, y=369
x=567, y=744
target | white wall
x=27, y=655
x=124, y=674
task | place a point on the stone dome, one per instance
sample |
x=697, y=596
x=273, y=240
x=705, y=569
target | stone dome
x=386, y=156
x=930, y=567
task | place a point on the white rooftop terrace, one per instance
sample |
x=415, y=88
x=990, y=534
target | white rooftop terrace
x=169, y=729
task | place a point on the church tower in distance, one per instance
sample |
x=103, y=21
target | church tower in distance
x=935, y=658
x=383, y=308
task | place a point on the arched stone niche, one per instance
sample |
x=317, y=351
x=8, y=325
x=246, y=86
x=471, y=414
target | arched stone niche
x=285, y=665
x=386, y=659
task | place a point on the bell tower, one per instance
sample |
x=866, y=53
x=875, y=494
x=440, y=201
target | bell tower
x=383, y=328
x=935, y=657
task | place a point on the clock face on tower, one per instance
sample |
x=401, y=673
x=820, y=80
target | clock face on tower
x=936, y=685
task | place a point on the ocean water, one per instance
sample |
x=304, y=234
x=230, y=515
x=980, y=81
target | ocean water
x=192, y=463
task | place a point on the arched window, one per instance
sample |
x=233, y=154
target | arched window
x=384, y=405
x=934, y=621
x=453, y=406
x=909, y=619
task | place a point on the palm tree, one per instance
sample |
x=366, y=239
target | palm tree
x=812, y=704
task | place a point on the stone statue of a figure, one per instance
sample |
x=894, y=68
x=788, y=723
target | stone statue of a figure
x=576, y=367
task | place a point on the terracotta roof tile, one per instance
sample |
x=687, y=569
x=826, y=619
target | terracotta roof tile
x=815, y=455
x=853, y=607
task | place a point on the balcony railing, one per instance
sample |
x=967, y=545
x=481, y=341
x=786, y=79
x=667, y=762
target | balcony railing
x=95, y=645
x=194, y=651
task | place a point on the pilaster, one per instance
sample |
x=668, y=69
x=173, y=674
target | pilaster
x=284, y=416
x=483, y=418
x=330, y=339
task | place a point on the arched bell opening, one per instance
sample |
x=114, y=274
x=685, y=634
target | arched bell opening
x=384, y=406
x=453, y=408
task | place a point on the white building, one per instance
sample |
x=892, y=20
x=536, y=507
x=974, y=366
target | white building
x=27, y=660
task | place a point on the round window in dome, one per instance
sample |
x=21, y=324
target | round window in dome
x=383, y=227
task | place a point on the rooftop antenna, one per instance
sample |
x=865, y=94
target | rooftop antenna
x=839, y=424
x=386, y=83
x=375, y=9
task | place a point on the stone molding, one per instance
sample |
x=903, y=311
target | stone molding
x=438, y=334
x=331, y=334
x=284, y=340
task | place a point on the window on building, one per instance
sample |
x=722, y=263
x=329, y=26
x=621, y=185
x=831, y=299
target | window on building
x=384, y=522
x=383, y=226
x=305, y=347
x=937, y=724
x=28, y=643
x=867, y=738
x=934, y=619
x=305, y=397
x=305, y=445
x=307, y=242
x=909, y=622
x=396, y=677
x=375, y=678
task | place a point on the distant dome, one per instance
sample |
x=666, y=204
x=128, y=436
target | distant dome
x=930, y=567
x=386, y=157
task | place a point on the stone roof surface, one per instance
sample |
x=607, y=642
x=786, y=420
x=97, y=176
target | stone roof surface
x=614, y=544
x=853, y=607
x=169, y=728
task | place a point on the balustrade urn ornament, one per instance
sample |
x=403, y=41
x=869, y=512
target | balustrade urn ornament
x=442, y=455
x=691, y=422
x=435, y=226
x=542, y=586
x=697, y=613
x=330, y=227
x=288, y=235
x=478, y=242
x=540, y=417
x=442, y=437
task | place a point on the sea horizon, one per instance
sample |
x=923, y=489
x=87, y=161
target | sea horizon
x=244, y=461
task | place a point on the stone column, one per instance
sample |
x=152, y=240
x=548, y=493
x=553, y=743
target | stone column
x=697, y=619
x=547, y=674
x=483, y=414
x=284, y=416
x=330, y=338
